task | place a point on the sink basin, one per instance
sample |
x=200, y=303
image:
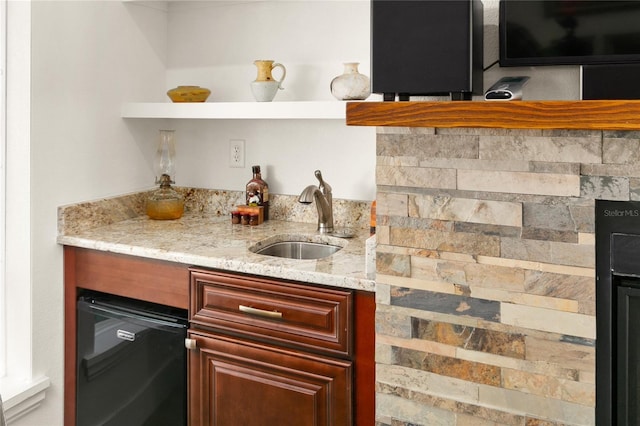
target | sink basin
x=299, y=246
x=299, y=250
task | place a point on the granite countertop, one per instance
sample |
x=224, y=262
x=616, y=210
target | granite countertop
x=208, y=240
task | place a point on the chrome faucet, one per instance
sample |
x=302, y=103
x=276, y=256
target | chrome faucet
x=324, y=203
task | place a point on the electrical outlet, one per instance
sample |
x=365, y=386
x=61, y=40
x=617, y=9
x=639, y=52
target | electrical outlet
x=236, y=153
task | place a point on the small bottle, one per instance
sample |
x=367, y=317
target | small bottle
x=258, y=192
x=235, y=217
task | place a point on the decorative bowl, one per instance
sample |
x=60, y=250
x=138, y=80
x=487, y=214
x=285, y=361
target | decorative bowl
x=189, y=94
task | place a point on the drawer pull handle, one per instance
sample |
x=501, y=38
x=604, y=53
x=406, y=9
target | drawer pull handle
x=190, y=344
x=260, y=312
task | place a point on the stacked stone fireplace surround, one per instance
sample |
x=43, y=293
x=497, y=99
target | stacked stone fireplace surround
x=486, y=271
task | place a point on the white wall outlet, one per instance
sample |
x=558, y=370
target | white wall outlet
x=236, y=153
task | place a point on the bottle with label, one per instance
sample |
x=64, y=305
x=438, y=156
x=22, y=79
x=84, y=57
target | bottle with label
x=258, y=192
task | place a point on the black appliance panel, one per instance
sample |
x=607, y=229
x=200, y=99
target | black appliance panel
x=131, y=363
x=628, y=356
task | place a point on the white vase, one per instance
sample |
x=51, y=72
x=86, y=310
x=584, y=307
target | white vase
x=351, y=85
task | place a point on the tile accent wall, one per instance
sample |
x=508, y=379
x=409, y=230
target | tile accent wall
x=486, y=272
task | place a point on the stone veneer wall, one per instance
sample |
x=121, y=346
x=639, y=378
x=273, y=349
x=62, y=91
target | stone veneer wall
x=486, y=272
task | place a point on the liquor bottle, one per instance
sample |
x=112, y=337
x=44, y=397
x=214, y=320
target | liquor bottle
x=258, y=192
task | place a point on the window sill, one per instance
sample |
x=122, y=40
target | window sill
x=20, y=397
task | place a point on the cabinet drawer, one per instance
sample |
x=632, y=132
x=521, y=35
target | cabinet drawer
x=286, y=313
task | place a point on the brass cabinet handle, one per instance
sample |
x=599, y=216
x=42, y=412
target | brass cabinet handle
x=190, y=344
x=259, y=312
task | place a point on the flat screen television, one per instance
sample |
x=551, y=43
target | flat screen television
x=565, y=32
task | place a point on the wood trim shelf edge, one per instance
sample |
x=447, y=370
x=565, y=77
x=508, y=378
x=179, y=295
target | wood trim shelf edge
x=575, y=115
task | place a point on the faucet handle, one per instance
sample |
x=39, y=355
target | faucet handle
x=324, y=187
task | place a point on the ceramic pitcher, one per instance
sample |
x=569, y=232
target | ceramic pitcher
x=265, y=87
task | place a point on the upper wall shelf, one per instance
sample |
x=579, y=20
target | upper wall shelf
x=333, y=110
x=589, y=115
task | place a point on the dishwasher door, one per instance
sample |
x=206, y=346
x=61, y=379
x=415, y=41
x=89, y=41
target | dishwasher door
x=131, y=363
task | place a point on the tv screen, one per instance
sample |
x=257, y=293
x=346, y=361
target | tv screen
x=564, y=32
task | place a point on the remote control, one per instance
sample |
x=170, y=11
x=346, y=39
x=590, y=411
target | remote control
x=506, y=89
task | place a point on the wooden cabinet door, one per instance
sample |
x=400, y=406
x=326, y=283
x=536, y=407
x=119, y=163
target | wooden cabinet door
x=238, y=382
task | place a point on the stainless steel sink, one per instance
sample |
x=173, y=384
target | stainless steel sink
x=299, y=250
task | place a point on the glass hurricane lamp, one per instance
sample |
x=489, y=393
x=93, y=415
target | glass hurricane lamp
x=165, y=203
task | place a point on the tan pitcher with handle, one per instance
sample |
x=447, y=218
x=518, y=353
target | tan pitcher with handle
x=265, y=87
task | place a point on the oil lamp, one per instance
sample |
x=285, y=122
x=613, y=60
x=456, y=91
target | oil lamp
x=165, y=203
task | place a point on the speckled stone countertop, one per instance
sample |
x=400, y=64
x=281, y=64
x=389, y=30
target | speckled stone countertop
x=207, y=239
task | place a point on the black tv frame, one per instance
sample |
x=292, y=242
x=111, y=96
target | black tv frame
x=594, y=59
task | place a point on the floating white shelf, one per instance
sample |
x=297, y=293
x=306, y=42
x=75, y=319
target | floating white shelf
x=327, y=110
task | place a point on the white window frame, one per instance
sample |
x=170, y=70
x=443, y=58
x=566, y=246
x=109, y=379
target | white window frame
x=20, y=390
x=3, y=137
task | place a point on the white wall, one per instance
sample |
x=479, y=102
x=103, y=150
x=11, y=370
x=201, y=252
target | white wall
x=86, y=57
x=89, y=57
x=214, y=44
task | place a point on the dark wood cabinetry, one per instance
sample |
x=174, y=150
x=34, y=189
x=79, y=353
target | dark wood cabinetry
x=276, y=352
x=267, y=351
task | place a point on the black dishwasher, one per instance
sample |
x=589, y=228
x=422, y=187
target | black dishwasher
x=131, y=363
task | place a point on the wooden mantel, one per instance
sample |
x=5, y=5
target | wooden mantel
x=590, y=115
